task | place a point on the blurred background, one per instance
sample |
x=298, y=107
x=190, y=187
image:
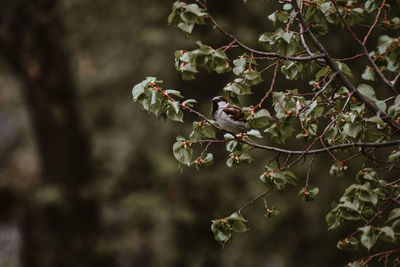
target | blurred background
x=87, y=178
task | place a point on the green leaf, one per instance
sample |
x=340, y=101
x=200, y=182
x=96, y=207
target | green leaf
x=322, y=72
x=187, y=76
x=337, y=169
x=172, y=115
x=287, y=36
x=381, y=105
x=327, y=8
x=277, y=180
x=352, y=206
x=239, y=227
x=260, y=119
x=368, y=74
x=173, y=92
x=228, y=136
x=369, y=237
x=384, y=43
x=203, y=162
x=189, y=67
x=388, y=233
x=280, y=41
x=377, y=120
x=223, y=228
x=348, y=243
x=219, y=53
x=236, y=217
x=287, y=6
x=186, y=16
x=367, y=91
x=175, y=12
x=186, y=27
x=265, y=38
x=222, y=231
x=154, y=97
x=272, y=17
x=189, y=102
x=222, y=237
x=333, y=220
x=366, y=194
x=394, y=214
x=367, y=174
x=137, y=91
x=240, y=65
x=396, y=224
x=255, y=133
x=394, y=155
x=395, y=20
x=351, y=129
x=175, y=106
x=290, y=69
x=344, y=68
x=195, y=9
x=356, y=264
x=238, y=160
x=253, y=77
x=270, y=213
x=280, y=132
x=182, y=151
x=238, y=87
x=202, y=130
x=308, y=194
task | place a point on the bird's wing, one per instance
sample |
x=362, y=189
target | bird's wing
x=234, y=112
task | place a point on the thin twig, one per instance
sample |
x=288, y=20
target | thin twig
x=364, y=48
x=257, y=52
x=349, y=58
x=375, y=21
x=383, y=253
x=281, y=150
x=323, y=150
x=269, y=91
x=346, y=82
x=318, y=93
x=395, y=79
x=251, y=202
x=347, y=101
x=303, y=41
x=309, y=170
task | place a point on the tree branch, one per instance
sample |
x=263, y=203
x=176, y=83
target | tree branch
x=251, y=202
x=271, y=148
x=364, y=48
x=318, y=93
x=383, y=253
x=249, y=49
x=322, y=150
x=374, y=24
x=346, y=82
x=269, y=91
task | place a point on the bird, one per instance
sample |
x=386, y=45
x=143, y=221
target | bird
x=229, y=117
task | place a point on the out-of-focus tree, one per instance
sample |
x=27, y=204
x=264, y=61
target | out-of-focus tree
x=61, y=219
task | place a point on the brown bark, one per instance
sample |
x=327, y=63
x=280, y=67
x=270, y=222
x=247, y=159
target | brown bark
x=32, y=41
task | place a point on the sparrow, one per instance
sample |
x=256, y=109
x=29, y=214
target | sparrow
x=229, y=117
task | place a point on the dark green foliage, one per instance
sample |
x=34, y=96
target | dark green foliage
x=224, y=229
x=339, y=107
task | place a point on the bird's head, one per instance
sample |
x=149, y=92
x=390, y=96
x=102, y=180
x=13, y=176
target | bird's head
x=219, y=99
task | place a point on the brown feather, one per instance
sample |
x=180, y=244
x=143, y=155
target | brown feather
x=235, y=113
